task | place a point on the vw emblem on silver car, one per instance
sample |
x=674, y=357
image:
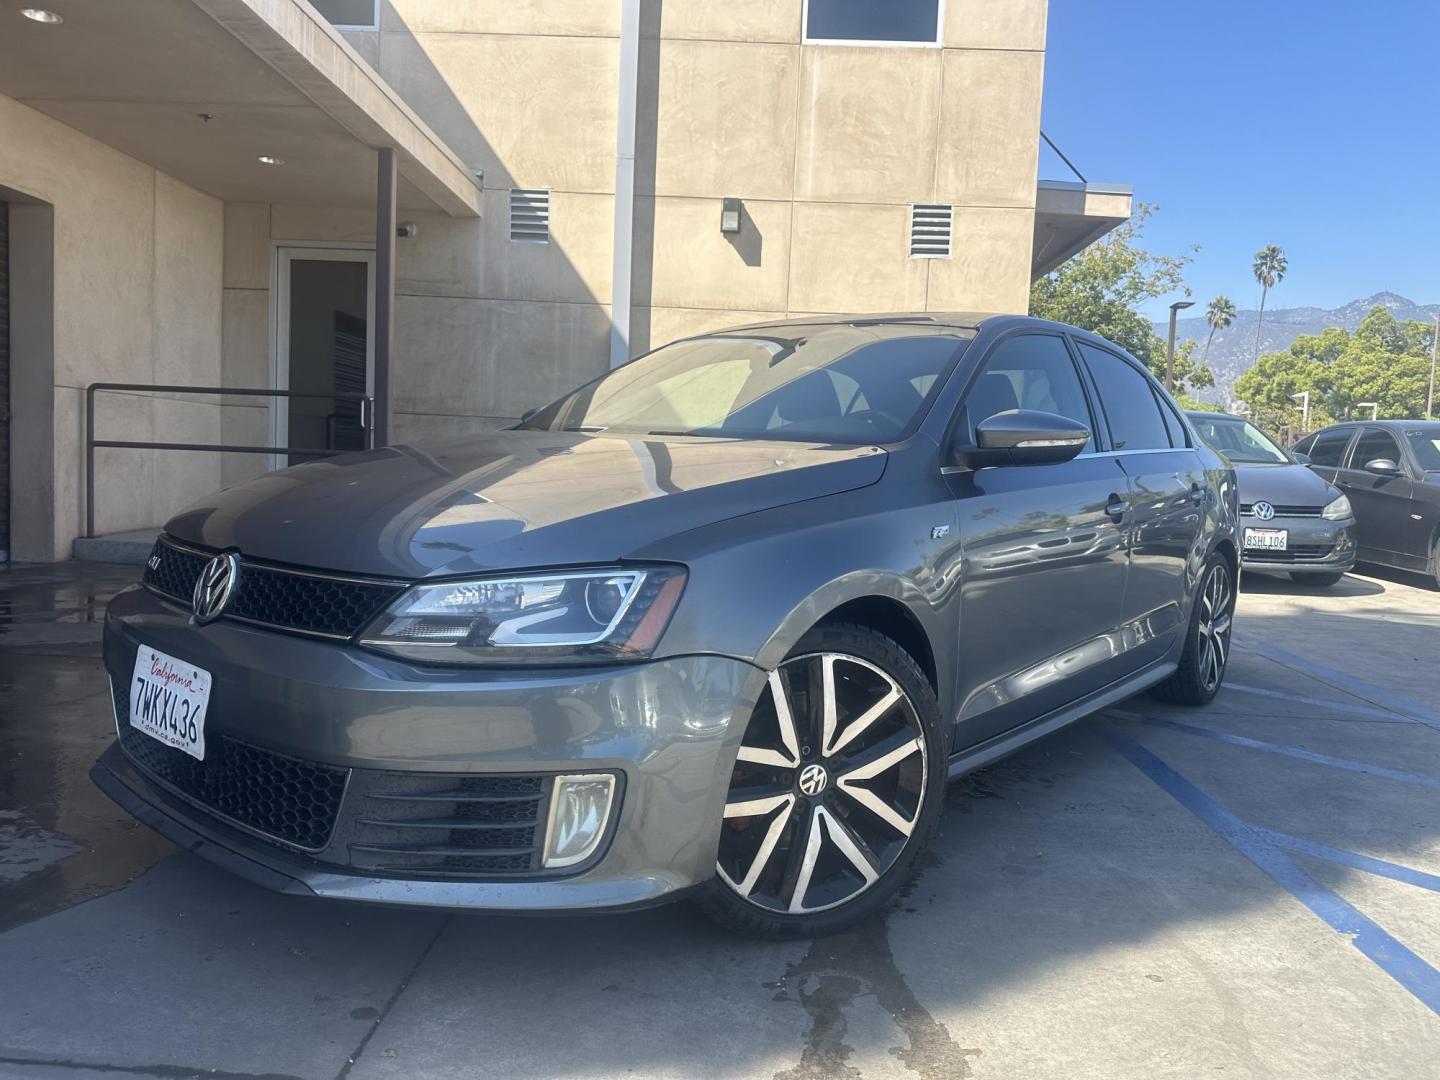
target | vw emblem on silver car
x=1264, y=511
x=813, y=779
x=214, y=586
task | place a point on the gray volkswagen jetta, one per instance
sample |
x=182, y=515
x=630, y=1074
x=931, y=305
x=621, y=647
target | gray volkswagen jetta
x=720, y=623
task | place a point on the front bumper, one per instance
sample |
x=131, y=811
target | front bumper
x=1315, y=545
x=669, y=729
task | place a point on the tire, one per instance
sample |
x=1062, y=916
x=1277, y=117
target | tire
x=1207, y=639
x=818, y=854
x=1319, y=581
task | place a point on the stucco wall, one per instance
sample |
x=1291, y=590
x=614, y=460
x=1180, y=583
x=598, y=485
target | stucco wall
x=827, y=145
x=136, y=298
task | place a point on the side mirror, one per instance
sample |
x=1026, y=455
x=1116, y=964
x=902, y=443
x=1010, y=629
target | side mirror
x=1300, y=459
x=1020, y=437
x=1383, y=467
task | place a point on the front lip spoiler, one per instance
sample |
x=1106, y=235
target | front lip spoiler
x=284, y=872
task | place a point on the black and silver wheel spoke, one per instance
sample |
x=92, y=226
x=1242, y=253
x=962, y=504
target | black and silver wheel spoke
x=828, y=785
x=1214, y=626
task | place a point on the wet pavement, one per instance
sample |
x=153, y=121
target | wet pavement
x=1250, y=889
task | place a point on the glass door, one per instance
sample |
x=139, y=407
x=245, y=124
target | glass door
x=323, y=314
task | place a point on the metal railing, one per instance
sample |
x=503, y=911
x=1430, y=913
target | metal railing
x=91, y=443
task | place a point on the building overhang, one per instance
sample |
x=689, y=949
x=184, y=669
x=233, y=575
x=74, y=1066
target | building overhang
x=1069, y=216
x=202, y=89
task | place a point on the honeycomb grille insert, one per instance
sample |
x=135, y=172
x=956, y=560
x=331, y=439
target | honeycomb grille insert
x=1294, y=553
x=438, y=826
x=293, y=801
x=274, y=597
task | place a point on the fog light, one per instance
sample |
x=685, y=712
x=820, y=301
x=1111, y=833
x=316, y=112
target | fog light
x=579, y=811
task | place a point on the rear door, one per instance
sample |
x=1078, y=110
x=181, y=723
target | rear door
x=1326, y=450
x=1382, y=504
x=1167, y=494
x=1044, y=568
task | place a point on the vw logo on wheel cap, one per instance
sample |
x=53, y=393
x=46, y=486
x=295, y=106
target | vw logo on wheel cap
x=1263, y=510
x=813, y=779
x=214, y=586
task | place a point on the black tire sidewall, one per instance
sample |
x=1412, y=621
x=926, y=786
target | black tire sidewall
x=720, y=902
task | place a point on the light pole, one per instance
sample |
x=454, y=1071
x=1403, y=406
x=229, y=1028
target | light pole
x=1175, y=309
x=1434, y=347
x=1373, y=406
x=1304, y=398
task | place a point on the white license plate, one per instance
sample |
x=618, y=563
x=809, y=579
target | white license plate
x=168, y=699
x=1267, y=539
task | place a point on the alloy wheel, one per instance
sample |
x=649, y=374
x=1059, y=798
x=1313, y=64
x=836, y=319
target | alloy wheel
x=1216, y=601
x=828, y=786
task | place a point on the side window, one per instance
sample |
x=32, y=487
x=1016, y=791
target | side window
x=1173, y=426
x=1303, y=446
x=1375, y=443
x=1130, y=406
x=1028, y=371
x=1329, y=447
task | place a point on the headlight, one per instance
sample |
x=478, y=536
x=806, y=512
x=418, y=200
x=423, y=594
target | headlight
x=532, y=618
x=1338, y=509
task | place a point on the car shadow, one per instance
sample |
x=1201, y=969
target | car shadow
x=1281, y=584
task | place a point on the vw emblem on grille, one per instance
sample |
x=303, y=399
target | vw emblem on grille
x=1263, y=510
x=214, y=586
x=813, y=779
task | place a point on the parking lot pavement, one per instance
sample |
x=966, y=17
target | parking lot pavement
x=1250, y=889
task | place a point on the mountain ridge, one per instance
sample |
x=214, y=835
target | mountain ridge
x=1233, y=351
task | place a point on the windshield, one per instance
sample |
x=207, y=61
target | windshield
x=1239, y=440
x=833, y=384
x=1425, y=444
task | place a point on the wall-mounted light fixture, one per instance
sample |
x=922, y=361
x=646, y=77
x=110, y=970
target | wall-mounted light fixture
x=40, y=15
x=406, y=230
x=730, y=216
x=270, y=159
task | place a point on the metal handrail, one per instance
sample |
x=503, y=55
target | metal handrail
x=366, y=410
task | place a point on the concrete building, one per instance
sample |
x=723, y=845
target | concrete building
x=191, y=193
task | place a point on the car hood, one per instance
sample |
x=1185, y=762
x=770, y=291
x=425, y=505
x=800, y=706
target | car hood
x=1290, y=485
x=512, y=499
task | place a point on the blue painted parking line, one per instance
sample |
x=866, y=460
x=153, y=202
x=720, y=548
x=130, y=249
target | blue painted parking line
x=1402, y=965
x=1359, y=688
x=1331, y=706
x=1379, y=867
x=1296, y=752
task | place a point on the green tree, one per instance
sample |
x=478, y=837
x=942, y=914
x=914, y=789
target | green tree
x=1269, y=269
x=1385, y=361
x=1101, y=289
x=1219, y=313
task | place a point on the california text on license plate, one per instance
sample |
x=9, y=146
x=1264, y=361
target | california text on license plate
x=168, y=699
x=1267, y=539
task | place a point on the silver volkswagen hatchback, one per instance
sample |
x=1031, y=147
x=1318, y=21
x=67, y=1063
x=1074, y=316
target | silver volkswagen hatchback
x=719, y=624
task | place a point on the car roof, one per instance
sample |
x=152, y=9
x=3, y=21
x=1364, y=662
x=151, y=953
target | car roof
x=1400, y=425
x=1206, y=414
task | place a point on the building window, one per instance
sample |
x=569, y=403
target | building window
x=874, y=22
x=350, y=14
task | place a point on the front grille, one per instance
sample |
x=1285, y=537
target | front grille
x=437, y=825
x=290, y=800
x=1295, y=553
x=293, y=600
x=1284, y=510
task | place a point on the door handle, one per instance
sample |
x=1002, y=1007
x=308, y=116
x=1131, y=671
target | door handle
x=1117, y=507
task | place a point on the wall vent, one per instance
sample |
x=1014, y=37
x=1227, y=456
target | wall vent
x=930, y=231
x=529, y=216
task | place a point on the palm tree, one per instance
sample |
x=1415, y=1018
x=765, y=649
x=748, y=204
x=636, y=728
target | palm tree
x=1219, y=313
x=1269, y=268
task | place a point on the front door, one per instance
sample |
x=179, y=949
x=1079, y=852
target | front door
x=1167, y=494
x=1382, y=504
x=1044, y=558
x=322, y=347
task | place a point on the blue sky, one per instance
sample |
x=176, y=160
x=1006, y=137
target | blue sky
x=1315, y=126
